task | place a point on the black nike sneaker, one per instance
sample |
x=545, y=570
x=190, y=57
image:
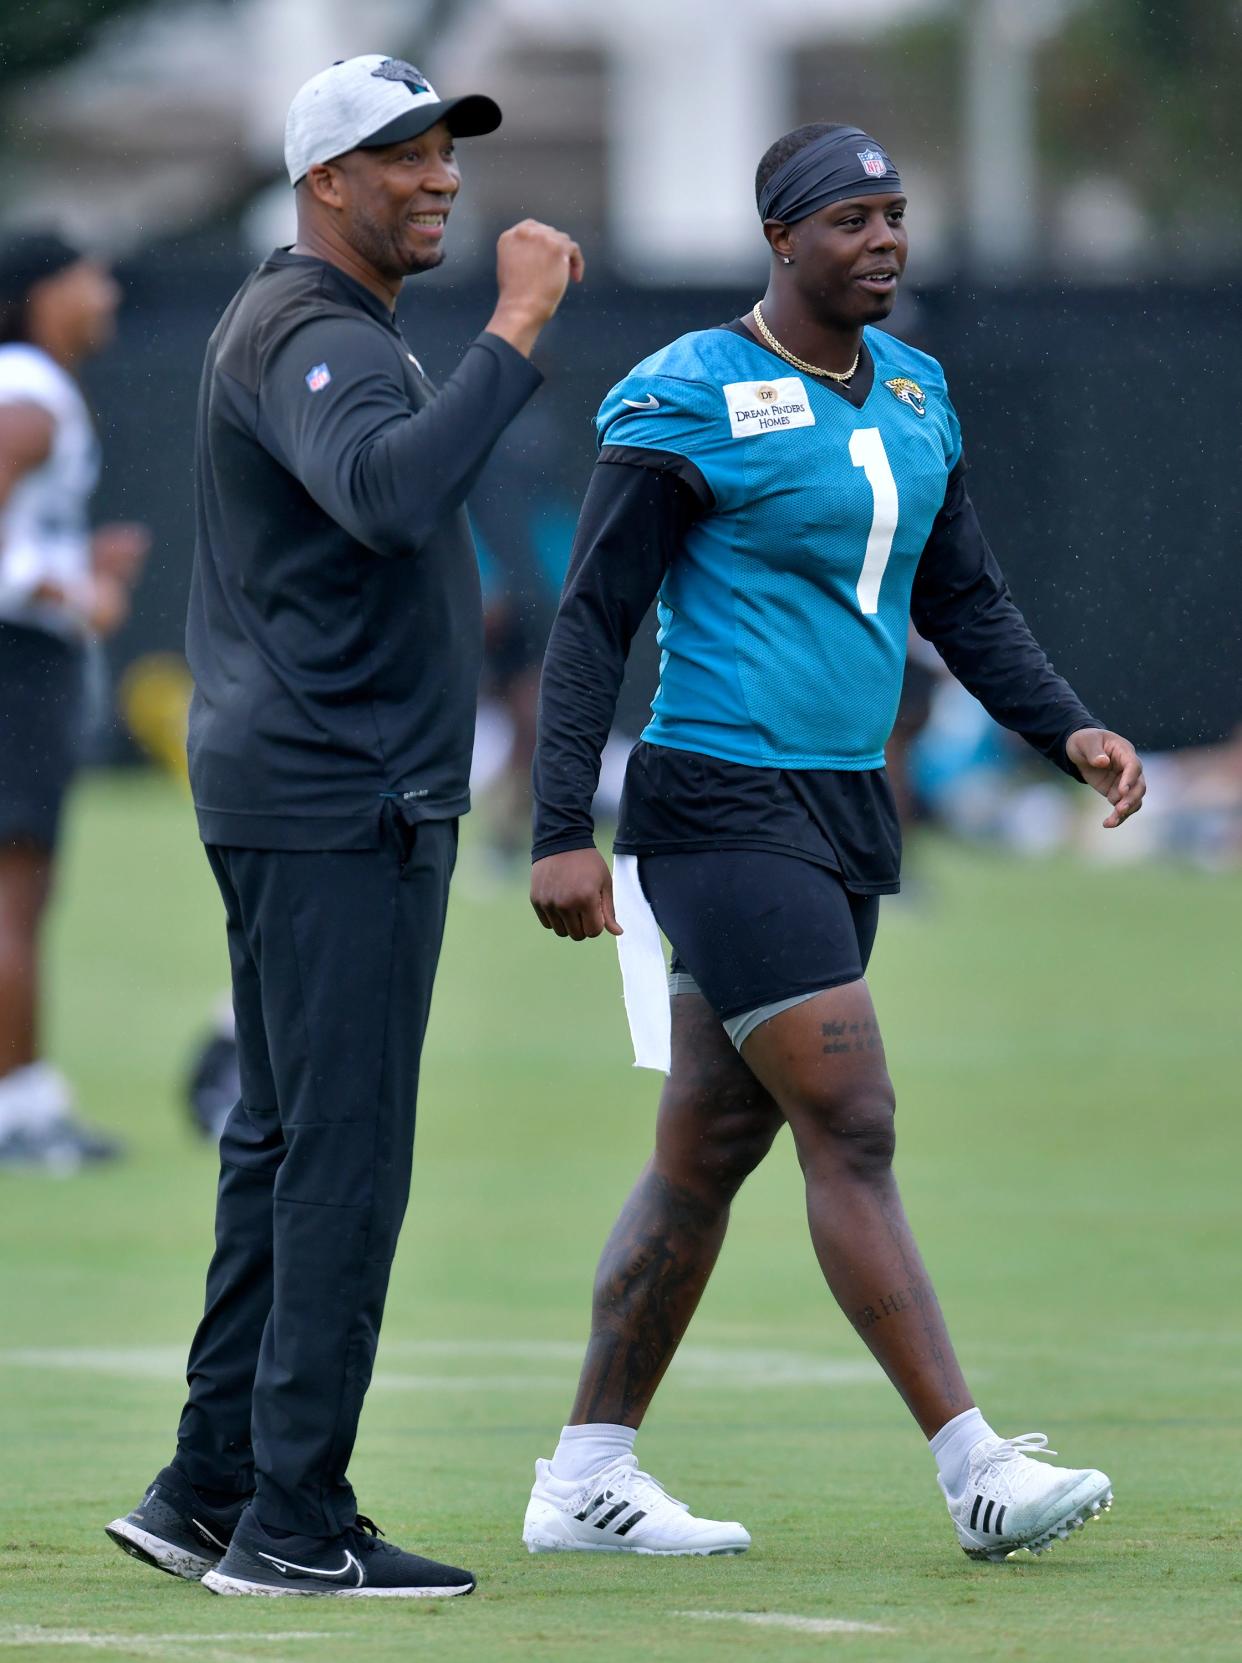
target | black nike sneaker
x=174, y=1531
x=354, y=1565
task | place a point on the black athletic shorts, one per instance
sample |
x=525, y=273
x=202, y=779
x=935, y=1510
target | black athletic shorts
x=755, y=928
x=42, y=712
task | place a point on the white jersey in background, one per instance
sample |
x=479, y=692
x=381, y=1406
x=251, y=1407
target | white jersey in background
x=44, y=532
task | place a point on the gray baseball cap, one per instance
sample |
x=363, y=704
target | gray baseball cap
x=365, y=103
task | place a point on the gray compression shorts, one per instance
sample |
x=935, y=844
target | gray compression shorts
x=740, y=1028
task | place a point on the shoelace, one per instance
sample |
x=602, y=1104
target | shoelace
x=626, y=1474
x=1026, y=1443
x=367, y=1529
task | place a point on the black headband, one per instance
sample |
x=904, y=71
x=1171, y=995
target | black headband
x=29, y=257
x=841, y=162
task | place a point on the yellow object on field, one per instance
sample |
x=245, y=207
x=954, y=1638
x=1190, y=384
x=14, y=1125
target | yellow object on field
x=154, y=697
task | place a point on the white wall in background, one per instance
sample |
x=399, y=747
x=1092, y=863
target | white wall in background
x=697, y=90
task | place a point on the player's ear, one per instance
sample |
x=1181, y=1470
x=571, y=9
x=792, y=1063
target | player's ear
x=323, y=183
x=780, y=238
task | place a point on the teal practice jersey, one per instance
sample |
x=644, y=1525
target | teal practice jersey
x=784, y=617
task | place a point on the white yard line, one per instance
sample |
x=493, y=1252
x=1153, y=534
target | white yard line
x=154, y=1645
x=702, y=1367
x=764, y=1366
x=537, y=1351
x=385, y=1381
x=134, y=1362
x=777, y=1619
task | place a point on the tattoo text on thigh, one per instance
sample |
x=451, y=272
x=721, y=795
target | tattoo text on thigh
x=863, y=1035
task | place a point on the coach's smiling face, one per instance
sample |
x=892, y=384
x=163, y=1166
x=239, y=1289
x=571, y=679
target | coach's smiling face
x=391, y=205
x=847, y=259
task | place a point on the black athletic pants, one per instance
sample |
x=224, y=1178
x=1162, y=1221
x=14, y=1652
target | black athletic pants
x=333, y=957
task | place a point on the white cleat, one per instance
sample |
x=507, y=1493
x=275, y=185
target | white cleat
x=619, y=1510
x=1013, y=1506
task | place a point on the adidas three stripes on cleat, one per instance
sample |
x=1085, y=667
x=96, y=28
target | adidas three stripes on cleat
x=619, y=1510
x=1011, y=1503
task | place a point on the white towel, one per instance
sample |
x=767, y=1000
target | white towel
x=643, y=974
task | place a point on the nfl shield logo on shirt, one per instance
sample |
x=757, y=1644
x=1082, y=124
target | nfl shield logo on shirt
x=873, y=163
x=318, y=378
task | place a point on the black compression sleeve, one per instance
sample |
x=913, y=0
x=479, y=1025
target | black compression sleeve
x=962, y=605
x=386, y=473
x=633, y=520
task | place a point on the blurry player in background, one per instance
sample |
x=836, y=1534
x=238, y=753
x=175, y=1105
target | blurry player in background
x=791, y=485
x=924, y=672
x=60, y=588
x=523, y=542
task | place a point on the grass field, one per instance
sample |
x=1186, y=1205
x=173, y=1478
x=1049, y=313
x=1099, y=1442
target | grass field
x=1067, y=1050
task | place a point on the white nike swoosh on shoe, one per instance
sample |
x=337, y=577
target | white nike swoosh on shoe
x=285, y=1566
x=651, y=402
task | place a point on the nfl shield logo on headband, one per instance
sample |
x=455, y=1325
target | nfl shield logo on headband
x=873, y=163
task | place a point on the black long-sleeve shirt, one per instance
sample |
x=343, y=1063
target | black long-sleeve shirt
x=637, y=510
x=335, y=622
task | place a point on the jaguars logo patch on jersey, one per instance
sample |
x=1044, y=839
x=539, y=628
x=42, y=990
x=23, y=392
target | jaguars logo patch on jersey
x=908, y=392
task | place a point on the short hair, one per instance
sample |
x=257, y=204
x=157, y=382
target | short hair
x=28, y=257
x=776, y=155
x=15, y=321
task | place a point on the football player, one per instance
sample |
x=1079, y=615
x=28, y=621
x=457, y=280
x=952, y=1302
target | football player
x=791, y=486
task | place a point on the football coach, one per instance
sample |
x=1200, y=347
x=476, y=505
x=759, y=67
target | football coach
x=334, y=635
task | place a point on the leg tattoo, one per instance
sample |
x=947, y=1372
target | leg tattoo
x=651, y=1276
x=824, y=1064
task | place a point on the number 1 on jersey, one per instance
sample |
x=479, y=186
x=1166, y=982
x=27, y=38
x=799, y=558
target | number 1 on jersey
x=867, y=452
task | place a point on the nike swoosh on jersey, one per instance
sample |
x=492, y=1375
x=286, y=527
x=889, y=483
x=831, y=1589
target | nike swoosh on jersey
x=651, y=402
x=285, y=1566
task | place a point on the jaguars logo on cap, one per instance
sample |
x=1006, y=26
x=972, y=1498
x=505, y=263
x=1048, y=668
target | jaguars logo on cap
x=396, y=69
x=908, y=392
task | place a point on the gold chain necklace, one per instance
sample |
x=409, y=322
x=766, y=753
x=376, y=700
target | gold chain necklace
x=801, y=363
